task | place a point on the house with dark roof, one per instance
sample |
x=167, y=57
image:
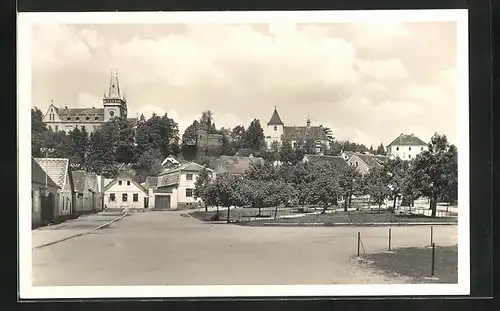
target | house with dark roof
x=58, y=170
x=174, y=188
x=336, y=161
x=66, y=118
x=123, y=192
x=364, y=162
x=88, y=195
x=44, y=196
x=276, y=132
x=233, y=164
x=347, y=155
x=406, y=147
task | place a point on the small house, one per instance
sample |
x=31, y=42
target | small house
x=44, y=196
x=365, y=162
x=123, y=192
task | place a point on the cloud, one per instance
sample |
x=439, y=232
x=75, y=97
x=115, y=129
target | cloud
x=369, y=81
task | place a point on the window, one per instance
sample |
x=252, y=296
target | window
x=97, y=118
x=136, y=197
x=397, y=148
x=409, y=156
x=124, y=197
x=128, y=182
x=356, y=164
x=189, y=193
x=50, y=128
x=83, y=127
x=409, y=148
x=421, y=148
x=189, y=176
x=120, y=182
x=112, y=197
x=57, y=128
x=78, y=118
x=69, y=118
x=275, y=128
x=87, y=118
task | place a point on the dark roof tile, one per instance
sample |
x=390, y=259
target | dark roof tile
x=408, y=140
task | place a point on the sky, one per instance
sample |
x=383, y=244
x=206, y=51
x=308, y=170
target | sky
x=367, y=82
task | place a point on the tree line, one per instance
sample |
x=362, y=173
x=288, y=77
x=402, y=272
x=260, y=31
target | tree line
x=432, y=174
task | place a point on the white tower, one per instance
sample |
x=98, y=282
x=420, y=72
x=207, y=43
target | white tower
x=274, y=129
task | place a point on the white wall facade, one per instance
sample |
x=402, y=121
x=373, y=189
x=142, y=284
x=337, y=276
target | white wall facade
x=273, y=133
x=184, y=185
x=66, y=199
x=359, y=164
x=128, y=189
x=406, y=152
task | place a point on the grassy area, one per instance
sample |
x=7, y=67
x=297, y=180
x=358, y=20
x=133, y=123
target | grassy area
x=250, y=217
x=416, y=263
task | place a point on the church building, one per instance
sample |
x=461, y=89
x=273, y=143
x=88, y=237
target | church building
x=277, y=131
x=114, y=104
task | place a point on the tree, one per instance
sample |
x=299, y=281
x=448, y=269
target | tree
x=254, y=192
x=376, y=185
x=254, y=136
x=120, y=135
x=207, y=118
x=396, y=171
x=371, y=148
x=157, y=132
x=324, y=190
x=79, y=142
x=150, y=161
x=200, y=186
x=227, y=189
x=286, y=153
x=262, y=171
x=434, y=169
x=277, y=193
x=349, y=183
x=380, y=149
x=188, y=144
x=38, y=129
x=100, y=157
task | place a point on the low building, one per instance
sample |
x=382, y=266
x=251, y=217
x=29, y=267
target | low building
x=44, y=196
x=336, y=161
x=123, y=192
x=88, y=197
x=58, y=170
x=364, y=162
x=347, y=155
x=406, y=147
x=233, y=164
x=174, y=189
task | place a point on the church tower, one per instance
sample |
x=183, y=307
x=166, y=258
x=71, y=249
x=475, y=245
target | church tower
x=274, y=129
x=114, y=102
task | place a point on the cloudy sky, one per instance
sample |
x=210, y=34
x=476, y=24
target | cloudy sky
x=368, y=82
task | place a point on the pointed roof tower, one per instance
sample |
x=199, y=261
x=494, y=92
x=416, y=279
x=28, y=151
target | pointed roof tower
x=114, y=87
x=275, y=118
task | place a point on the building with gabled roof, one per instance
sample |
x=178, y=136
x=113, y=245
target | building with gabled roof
x=174, y=188
x=125, y=193
x=88, y=195
x=406, y=147
x=44, y=196
x=276, y=132
x=336, y=161
x=114, y=104
x=233, y=164
x=58, y=170
x=364, y=162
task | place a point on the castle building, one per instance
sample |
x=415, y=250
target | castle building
x=277, y=132
x=114, y=104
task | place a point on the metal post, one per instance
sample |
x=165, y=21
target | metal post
x=433, y=259
x=359, y=241
x=389, y=238
x=432, y=235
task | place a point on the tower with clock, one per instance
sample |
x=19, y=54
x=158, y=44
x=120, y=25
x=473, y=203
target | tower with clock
x=114, y=102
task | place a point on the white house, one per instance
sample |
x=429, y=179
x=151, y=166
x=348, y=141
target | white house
x=174, y=188
x=406, y=147
x=364, y=162
x=123, y=192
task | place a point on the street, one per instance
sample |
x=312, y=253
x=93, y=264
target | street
x=169, y=248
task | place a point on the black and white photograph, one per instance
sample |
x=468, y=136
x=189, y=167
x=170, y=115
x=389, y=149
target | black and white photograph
x=209, y=154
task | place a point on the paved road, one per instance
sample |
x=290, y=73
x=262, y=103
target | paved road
x=165, y=248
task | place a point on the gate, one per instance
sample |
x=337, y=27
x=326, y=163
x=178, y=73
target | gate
x=162, y=202
x=47, y=208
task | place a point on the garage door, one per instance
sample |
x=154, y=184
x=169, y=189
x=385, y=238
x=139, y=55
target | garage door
x=162, y=202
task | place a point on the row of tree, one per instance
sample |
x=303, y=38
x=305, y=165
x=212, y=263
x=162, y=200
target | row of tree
x=432, y=174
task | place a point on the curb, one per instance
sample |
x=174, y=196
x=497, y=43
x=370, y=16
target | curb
x=83, y=233
x=352, y=225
